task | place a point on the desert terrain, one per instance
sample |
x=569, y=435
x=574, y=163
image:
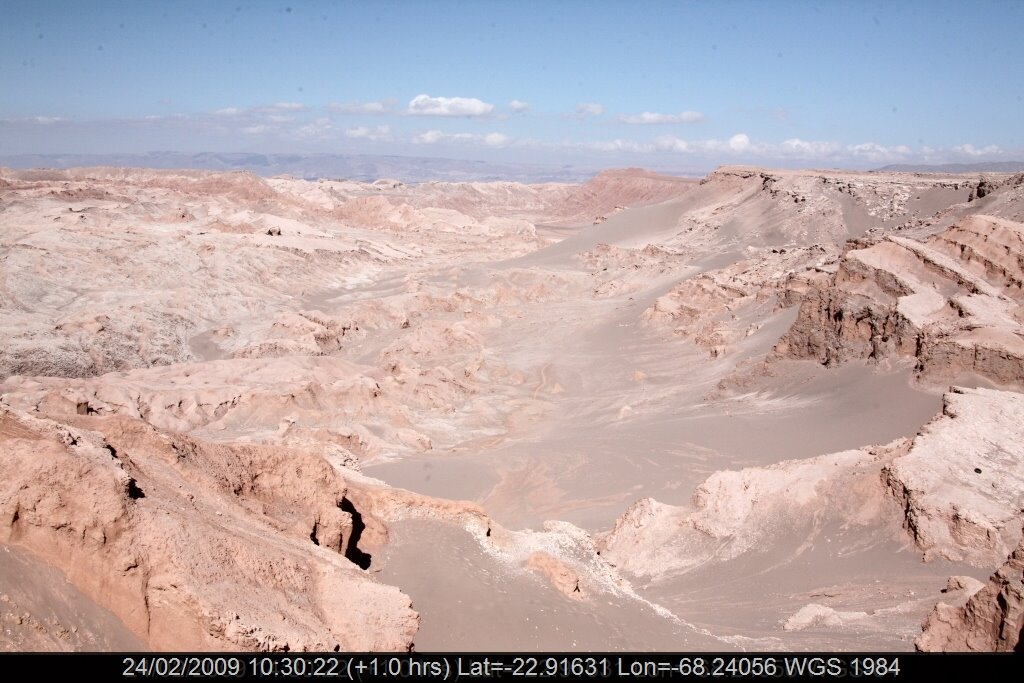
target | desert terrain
x=764, y=410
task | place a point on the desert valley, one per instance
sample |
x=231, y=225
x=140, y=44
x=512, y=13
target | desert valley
x=762, y=410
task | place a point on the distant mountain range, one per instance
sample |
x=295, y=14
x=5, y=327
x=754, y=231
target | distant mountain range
x=314, y=166
x=981, y=167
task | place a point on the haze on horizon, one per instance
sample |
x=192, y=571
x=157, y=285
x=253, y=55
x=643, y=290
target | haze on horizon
x=666, y=86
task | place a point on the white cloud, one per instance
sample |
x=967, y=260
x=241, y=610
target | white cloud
x=518, y=106
x=270, y=110
x=739, y=142
x=429, y=137
x=824, y=150
x=807, y=150
x=804, y=149
x=432, y=137
x=425, y=105
x=585, y=109
x=318, y=128
x=366, y=133
x=648, y=117
x=670, y=143
x=876, y=153
x=381, y=107
x=819, y=150
x=312, y=125
x=972, y=151
x=495, y=140
x=618, y=145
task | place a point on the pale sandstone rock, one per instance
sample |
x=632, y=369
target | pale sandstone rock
x=818, y=616
x=962, y=483
x=949, y=509
x=951, y=301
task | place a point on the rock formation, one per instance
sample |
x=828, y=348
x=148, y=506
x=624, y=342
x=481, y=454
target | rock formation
x=160, y=529
x=992, y=620
x=641, y=411
x=962, y=482
x=953, y=302
x=945, y=500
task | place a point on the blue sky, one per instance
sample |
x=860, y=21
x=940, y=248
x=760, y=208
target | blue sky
x=684, y=85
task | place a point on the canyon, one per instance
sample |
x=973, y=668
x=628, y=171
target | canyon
x=763, y=410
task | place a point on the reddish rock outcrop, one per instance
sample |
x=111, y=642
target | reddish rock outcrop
x=194, y=545
x=992, y=620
